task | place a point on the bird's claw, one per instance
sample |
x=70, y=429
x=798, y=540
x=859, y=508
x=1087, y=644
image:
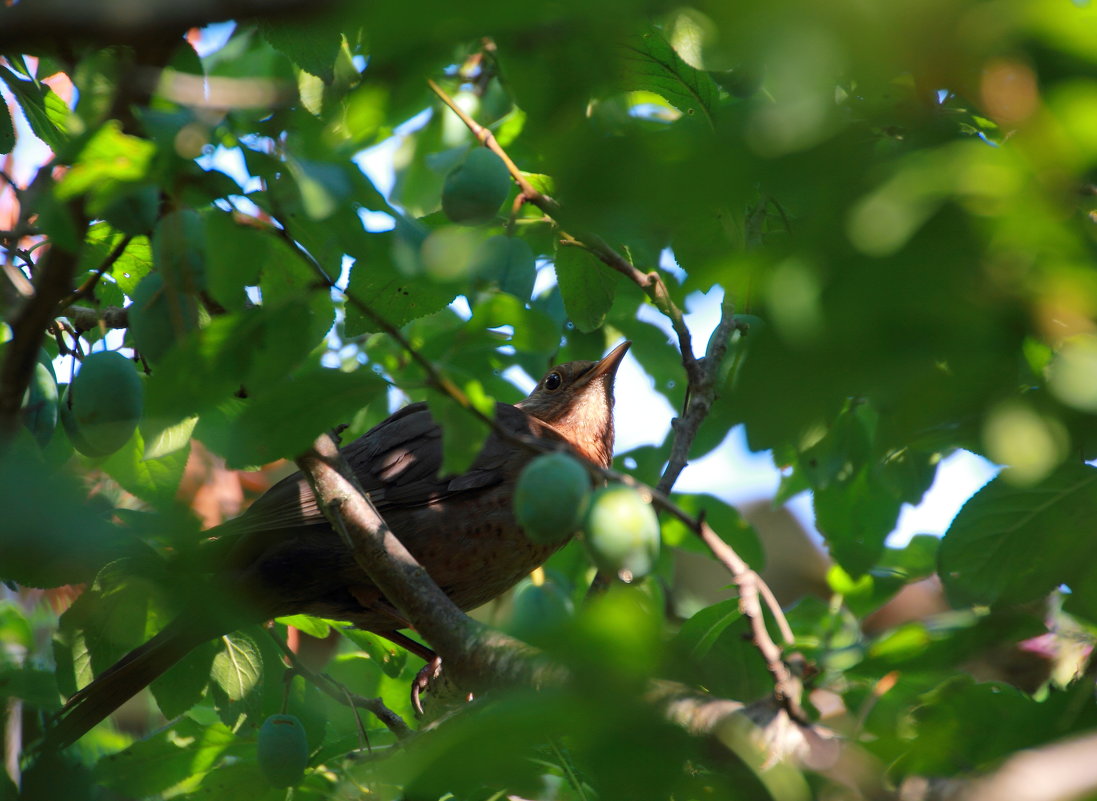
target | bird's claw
x=429, y=672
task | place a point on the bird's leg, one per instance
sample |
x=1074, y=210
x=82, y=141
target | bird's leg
x=430, y=671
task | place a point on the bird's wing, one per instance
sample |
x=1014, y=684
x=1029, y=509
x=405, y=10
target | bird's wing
x=397, y=463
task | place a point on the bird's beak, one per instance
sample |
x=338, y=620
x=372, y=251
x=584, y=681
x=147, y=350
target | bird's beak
x=609, y=364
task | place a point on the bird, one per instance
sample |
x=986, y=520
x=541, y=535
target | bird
x=281, y=557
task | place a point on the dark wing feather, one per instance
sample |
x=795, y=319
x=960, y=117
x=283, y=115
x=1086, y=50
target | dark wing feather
x=397, y=463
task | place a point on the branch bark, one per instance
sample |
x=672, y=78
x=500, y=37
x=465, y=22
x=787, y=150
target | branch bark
x=475, y=656
x=52, y=282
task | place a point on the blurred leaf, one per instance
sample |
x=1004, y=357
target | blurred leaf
x=184, y=683
x=312, y=43
x=51, y=536
x=961, y=715
x=35, y=686
x=283, y=421
x=699, y=634
x=856, y=516
x=587, y=286
x=724, y=519
x=108, y=161
x=180, y=754
x=14, y=626
x=236, y=262
x=1011, y=544
x=533, y=331
x=152, y=479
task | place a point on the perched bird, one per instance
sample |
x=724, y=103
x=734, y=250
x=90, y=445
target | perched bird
x=281, y=557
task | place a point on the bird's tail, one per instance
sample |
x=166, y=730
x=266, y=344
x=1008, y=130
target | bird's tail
x=124, y=679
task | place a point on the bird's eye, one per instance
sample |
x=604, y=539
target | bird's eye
x=553, y=381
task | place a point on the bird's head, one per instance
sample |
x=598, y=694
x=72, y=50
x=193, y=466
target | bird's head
x=576, y=398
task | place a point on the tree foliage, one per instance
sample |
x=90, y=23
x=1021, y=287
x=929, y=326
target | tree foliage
x=895, y=201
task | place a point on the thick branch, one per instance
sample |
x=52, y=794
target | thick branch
x=85, y=318
x=475, y=657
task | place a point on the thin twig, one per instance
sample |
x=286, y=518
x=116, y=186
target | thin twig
x=334, y=689
x=701, y=393
x=15, y=188
x=650, y=282
x=88, y=286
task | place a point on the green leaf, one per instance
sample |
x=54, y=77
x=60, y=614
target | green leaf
x=586, y=285
x=208, y=366
x=313, y=626
x=236, y=261
x=51, y=537
x=7, y=130
x=159, y=443
x=652, y=64
x=109, y=160
x=724, y=519
x=152, y=479
x=1011, y=544
x=395, y=297
x=46, y=113
x=699, y=634
x=856, y=516
x=389, y=657
x=37, y=687
x=238, y=666
x=130, y=267
x=14, y=626
x=107, y=620
x=533, y=330
x=177, y=756
x=184, y=683
x=283, y=421
x=312, y=43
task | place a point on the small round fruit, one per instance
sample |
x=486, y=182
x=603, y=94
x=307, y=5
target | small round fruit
x=159, y=317
x=283, y=750
x=538, y=608
x=622, y=532
x=40, y=404
x=550, y=498
x=474, y=190
x=103, y=405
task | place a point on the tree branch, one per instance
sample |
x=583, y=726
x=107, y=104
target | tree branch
x=334, y=689
x=475, y=657
x=88, y=286
x=52, y=282
x=650, y=282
